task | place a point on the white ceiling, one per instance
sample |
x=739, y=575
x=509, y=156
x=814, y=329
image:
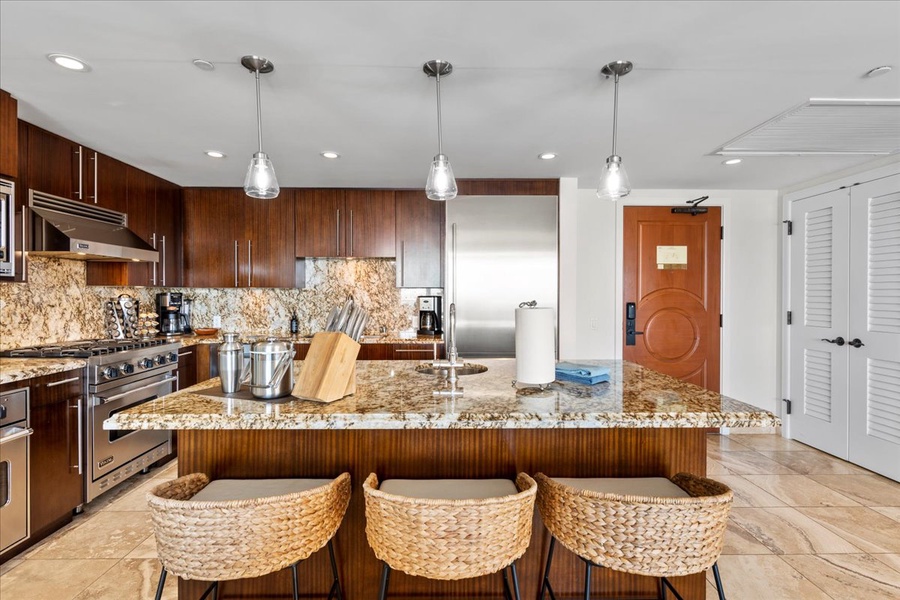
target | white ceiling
x=348, y=77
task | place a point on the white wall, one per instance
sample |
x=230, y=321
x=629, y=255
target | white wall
x=591, y=282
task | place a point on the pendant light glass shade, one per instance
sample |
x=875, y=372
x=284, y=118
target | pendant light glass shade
x=260, y=181
x=441, y=184
x=614, y=182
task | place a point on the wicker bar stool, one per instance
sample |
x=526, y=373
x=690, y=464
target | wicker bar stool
x=450, y=529
x=649, y=526
x=238, y=528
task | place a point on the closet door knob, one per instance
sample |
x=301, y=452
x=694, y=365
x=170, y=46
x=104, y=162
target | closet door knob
x=855, y=343
x=838, y=340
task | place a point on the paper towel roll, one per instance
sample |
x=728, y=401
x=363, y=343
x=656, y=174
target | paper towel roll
x=535, y=345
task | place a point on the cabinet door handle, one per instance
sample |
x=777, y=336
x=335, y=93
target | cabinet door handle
x=351, y=234
x=153, y=243
x=24, y=253
x=235, y=263
x=249, y=263
x=185, y=353
x=337, y=234
x=95, y=177
x=56, y=383
x=80, y=172
x=77, y=407
x=402, y=262
x=162, y=242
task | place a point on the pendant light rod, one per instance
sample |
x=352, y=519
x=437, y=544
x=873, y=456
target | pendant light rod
x=436, y=69
x=615, y=110
x=259, y=115
x=616, y=69
x=437, y=84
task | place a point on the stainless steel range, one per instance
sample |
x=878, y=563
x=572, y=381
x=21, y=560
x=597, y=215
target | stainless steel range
x=121, y=374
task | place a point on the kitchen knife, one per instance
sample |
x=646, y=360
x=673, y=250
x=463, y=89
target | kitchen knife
x=345, y=314
x=332, y=318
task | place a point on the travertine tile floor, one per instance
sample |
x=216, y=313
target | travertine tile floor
x=805, y=526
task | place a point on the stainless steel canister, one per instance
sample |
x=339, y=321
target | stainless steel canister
x=231, y=363
x=271, y=368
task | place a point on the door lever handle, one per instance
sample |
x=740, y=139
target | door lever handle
x=838, y=340
x=855, y=343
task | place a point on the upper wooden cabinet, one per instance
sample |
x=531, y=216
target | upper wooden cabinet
x=9, y=136
x=344, y=223
x=420, y=240
x=232, y=240
x=53, y=164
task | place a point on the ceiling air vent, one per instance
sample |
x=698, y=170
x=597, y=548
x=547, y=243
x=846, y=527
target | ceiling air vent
x=824, y=126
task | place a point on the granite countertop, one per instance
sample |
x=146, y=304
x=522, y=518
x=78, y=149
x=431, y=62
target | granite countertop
x=391, y=395
x=193, y=340
x=20, y=369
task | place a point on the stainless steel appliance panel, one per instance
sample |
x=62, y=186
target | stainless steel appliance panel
x=14, y=469
x=7, y=229
x=501, y=250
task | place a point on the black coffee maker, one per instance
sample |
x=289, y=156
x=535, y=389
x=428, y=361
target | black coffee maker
x=429, y=315
x=173, y=320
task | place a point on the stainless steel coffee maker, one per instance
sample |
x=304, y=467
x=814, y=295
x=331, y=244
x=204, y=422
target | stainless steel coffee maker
x=429, y=315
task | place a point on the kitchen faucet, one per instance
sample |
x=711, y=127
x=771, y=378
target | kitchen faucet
x=453, y=359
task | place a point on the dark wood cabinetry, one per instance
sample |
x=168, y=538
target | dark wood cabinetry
x=194, y=364
x=9, y=135
x=344, y=223
x=420, y=240
x=53, y=164
x=232, y=240
x=423, y=352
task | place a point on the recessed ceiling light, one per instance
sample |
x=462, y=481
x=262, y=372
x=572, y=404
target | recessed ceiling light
x=215, y=154
x=330, y=154
x=731, y=161
x=203, y=65
x=547, y=155
x=879, y=71
x=69, y=62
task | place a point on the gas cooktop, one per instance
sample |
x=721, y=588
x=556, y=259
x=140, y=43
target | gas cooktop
x=83, y=348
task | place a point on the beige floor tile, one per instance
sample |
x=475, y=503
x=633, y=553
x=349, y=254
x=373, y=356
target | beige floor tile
x=711, y=591
x=748, y=494
x=107, y=535
x=714, y=467
x=146, y=549
x=891, y=560
x=888, y=511
x=787, y=531
x=814, y=463
x=751, y=463
x=771, y=443
x=130, y=578
x=849, y=575
x=724, y=443
x=57, y=579
x=764, y=578
x=869, y=490
x=864, y=528
x=136, y=499
x=799, y=490
x=739, y=541
x=10, y=565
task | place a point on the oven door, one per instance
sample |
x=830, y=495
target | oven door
x=13, y=485
x=112, y=449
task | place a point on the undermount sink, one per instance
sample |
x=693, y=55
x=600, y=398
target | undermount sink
x=466, y=369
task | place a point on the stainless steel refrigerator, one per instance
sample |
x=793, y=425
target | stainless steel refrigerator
x=501, y=251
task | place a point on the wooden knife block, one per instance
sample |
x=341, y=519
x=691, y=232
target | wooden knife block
x=329, y=369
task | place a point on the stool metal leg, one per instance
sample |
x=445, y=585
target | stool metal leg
x=385, y=578
x=515, y=578
x=667, y=583
x=295, y=582
x=719, y=588
x=162, y=584
x=336, y=585
x=214, y=589
x=545, y=585
x=587, y=580
x=507, y=593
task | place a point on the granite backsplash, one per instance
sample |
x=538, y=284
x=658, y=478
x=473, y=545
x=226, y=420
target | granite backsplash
x=57, y=306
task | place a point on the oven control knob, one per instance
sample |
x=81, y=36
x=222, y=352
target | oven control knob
x=110, y=372
x=126, y=368
x=161, y=359
x=145, y=363
x=173, y=357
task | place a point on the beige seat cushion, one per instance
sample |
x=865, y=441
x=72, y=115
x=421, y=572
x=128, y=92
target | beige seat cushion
x=245, y=489
x=450, y=489
x=627, y=486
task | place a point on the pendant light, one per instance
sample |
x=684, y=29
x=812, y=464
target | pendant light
x=441, y=185
x=614, y=182
x=260, y=181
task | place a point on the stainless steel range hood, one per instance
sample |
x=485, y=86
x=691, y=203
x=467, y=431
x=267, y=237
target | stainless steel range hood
x=64, y=228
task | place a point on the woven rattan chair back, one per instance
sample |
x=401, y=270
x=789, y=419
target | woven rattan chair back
x=644, y=535
x=236, y=539
x=449, y=539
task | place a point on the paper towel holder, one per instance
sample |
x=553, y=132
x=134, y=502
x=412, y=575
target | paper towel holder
x=540, y=386
x=530, y=304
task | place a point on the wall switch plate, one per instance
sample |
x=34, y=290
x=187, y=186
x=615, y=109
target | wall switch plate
x=595, y=324
x=217, y=321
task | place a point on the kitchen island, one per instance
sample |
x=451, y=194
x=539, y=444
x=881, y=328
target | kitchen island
x=641, y=423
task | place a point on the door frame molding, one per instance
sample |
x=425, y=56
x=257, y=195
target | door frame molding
x=658, y=198
x=787, y=201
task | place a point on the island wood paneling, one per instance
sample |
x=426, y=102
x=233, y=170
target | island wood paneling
x=467, y=453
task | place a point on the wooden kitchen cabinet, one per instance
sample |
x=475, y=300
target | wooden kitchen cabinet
x=419, y=240
x=187, y=367
x=57, y=486
x=9, y=135
x=344, y=223
x=232, y=240
x=53, y=164
x=168, y=234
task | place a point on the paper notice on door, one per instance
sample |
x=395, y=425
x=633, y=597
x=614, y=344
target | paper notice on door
x=671, y=257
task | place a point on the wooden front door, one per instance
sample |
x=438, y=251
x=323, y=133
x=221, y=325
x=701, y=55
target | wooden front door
x=671, y=287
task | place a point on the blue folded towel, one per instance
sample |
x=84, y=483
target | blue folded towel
x=583, y=380
x=581, y=370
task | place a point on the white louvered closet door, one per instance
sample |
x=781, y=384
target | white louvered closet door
x=819, y=306
x=874, y=399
